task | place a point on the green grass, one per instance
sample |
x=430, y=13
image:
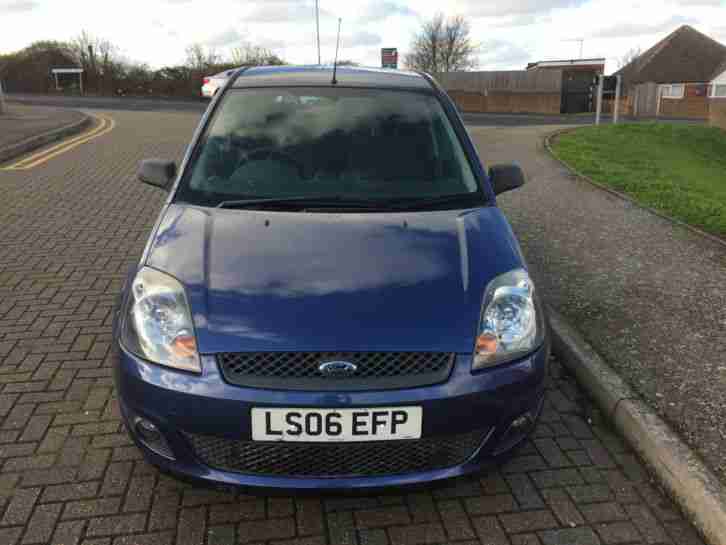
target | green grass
x=677, y=169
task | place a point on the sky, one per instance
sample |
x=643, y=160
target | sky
x=508, y=33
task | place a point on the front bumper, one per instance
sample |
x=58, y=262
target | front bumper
x=183, y=405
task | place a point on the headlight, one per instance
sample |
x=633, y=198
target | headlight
x=158, y=323
x=511, y=324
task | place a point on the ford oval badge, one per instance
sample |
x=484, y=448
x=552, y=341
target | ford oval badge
x=337, y=369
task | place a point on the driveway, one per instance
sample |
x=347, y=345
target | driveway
x=70, y=474
x=648, y=294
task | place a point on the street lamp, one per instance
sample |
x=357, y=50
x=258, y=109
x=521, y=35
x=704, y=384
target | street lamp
x=317, y=25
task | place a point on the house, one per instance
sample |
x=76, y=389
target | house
x=717, y=103
x=673, y=77
x=718, y=83
x=579, y=79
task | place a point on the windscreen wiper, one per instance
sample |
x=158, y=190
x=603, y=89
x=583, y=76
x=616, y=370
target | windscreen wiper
x=468, y=200
x=299, y=202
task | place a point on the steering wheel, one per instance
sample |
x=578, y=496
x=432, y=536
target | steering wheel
x=268, y=153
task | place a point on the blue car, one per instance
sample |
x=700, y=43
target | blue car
x=330, y=297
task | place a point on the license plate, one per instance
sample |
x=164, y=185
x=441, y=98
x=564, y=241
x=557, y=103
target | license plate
x=336, y=425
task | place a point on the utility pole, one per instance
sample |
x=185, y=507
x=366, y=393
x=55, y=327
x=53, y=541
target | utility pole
x=616, y=105
x=2, y=98
x=598, y=111
x=317, y=25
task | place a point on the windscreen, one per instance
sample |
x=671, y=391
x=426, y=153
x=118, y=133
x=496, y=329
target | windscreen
x=327, y=142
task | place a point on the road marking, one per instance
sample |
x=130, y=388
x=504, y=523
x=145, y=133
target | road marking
x=106, y=125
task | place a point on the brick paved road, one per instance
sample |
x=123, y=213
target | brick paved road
x=70, y=475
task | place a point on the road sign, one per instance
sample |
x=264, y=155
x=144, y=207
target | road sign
x=389, y=57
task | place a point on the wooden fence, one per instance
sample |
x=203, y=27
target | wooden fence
x=534, y=91
x=545, y=81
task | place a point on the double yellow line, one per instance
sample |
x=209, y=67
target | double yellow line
x=104, y=126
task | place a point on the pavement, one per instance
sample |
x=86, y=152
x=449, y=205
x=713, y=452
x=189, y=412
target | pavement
x=539, y=120
x=70, y=474
x=646, y=293
x=20, y=122
x=146, y=104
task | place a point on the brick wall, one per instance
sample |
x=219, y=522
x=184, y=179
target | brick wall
x=507, y=102
x=690, y=107
x=717, y=116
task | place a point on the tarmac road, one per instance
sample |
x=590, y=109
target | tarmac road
x=199, y=105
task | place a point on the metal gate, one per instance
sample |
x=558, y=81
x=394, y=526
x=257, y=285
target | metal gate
x=577, y=91
x=645, y=100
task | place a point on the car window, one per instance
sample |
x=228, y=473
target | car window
x=327, y=142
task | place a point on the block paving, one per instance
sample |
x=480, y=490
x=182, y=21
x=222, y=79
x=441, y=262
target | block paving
x=70, y=475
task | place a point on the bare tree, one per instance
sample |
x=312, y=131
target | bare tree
x=100, y=59
x=424, y=53
x=93, y=53
x=630, y=56
x=443, y=45
x=254, y=55
x=200, y=58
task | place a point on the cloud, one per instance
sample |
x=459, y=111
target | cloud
x=516, y=7
x=516, y=21
x=224, y=38
x=630, y=30
x=500, y=54
x=359, y=39
x=284, y=11
x=18, y=6
x=271, y=43
x=377, y=10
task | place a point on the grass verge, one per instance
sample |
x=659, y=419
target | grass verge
x=677, y=169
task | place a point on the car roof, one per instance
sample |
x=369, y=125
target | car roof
x=225, y=73
x=316, y=76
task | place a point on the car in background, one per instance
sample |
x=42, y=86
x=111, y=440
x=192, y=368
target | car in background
x=212, y=84
x=331, y=297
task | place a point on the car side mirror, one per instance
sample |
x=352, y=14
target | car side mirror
x=157, y=172
x=506, y=177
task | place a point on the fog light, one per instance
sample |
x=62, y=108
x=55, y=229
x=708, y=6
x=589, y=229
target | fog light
x=151, y=437
x=523, y=422
x=518, y=429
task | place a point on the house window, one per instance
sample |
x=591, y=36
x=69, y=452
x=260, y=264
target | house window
x=675, y=90
x=719, y=90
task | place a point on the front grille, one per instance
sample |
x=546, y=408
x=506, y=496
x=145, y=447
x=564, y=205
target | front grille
x=336, y=459
x=300, y=370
